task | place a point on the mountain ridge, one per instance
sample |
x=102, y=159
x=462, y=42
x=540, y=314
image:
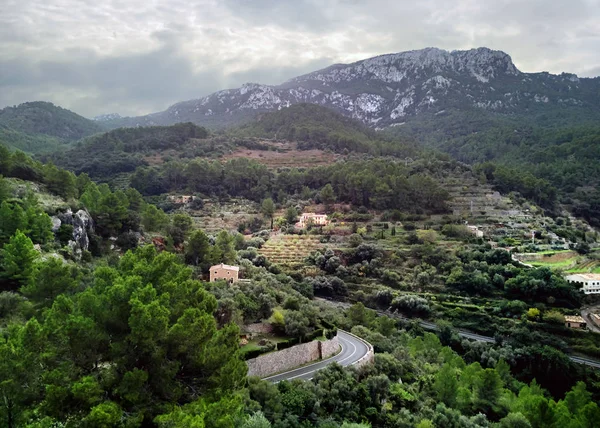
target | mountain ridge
x=388, y=89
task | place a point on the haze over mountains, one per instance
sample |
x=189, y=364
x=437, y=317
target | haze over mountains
x=389, y=89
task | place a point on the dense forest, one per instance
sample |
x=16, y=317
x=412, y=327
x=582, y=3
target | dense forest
x=47, y=119
x=122, y=150
x=318, y=127
x=381, y=184
x=41, y=127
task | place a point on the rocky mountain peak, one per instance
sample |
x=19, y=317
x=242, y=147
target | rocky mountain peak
x=386, y=90
x=482, y=63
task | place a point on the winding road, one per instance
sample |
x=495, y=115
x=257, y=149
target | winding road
x=462, y=333
x=353, y=350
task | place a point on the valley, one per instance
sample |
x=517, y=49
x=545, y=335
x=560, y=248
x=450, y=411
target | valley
x=146, y=263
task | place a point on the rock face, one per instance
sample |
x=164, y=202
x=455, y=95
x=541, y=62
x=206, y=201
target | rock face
x=82, y=225
x=387, y=89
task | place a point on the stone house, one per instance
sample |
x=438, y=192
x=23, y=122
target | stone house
x=224, y=272
x=476, y=231
x=575, y=321
x=316, y=219
x=180, y=200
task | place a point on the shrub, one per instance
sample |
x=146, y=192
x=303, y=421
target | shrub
x=287, y=343
x=411, y=304
x=315, y=334
x=330, y=333
x=355, y=240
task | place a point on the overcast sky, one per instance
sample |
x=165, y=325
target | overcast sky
x=140, y=56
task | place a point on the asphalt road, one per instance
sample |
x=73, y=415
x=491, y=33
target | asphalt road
x=466, y=334
x=586, y=315
x=353, y=349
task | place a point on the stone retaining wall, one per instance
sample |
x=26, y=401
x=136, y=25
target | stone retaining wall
x=258, y=328
x=329, y=347
x=290, y=358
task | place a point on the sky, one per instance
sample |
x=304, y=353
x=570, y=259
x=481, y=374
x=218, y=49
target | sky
x=135, y=57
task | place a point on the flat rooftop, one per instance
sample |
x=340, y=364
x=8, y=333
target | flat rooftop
x=584, y=277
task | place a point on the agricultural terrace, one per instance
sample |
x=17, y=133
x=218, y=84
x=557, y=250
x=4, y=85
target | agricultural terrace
x=291, y=249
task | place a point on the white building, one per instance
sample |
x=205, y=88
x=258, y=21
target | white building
x=476, y=231
x=316, y=219
x=590, y=282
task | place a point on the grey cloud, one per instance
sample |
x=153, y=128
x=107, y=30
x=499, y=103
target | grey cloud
x=134, y=57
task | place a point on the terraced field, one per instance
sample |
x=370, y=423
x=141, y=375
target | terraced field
x=589, y=266
x=290, y=249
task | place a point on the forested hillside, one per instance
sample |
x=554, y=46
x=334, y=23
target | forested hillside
x=547, y=158
x=318, y=127
x=47, y=119
x=124, y=149
x=31, y=143
x=41, y=127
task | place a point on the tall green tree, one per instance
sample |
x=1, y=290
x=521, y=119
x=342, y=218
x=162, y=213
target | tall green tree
x=49, y=279
x=446, y=385
x=198, y=248
x=17, y=258
x=12, y=218
x=487, y=389
x=291, y=215
x=268, y=209
x=39, y=225
x=4, y=189
x=224, y=249
x=111, y=212
x=154, y=219
x=181, y=224
x=327, y=196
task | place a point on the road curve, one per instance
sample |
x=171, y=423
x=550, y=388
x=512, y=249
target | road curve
x=353, y=349
x=462, y=333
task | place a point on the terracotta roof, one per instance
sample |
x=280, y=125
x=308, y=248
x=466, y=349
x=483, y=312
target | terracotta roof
x=224, y=266
x=574, y=318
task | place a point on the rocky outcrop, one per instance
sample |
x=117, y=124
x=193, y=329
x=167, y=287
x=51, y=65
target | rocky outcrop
x=82, y=223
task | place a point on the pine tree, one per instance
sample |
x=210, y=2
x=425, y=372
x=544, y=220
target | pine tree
x=4, y=189
x=39, y=225
x=268, y=209
x=327, y=196
x=197, y=249
x=18, y=257
x=51, y=278
x=446, y=385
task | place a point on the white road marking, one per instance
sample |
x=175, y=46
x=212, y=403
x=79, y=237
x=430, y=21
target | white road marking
x=302, y=374
x=341, y=361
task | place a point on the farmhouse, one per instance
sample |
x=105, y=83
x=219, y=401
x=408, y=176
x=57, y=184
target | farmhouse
x=316, y=219
x=575, y=321
x=476, y=231
x=589, y=281
x=183, y=199
x=224, y=272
